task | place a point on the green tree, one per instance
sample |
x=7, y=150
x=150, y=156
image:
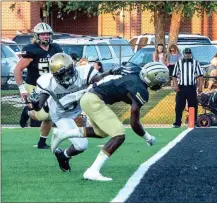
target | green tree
x=176, y=10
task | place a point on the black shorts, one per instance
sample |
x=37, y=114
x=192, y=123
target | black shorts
x=171, y=68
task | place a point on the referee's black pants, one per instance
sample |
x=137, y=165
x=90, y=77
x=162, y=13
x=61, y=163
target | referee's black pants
x=189, y=94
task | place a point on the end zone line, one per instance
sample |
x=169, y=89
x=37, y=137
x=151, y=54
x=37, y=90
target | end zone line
x=134, y=180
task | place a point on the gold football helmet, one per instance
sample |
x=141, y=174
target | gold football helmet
x=61, y=66
x=155, y=75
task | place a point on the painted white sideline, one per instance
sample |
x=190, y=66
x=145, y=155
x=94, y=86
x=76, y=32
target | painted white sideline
x=134, y=180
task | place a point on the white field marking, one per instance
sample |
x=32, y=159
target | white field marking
x=100, y=146
x=134, y=180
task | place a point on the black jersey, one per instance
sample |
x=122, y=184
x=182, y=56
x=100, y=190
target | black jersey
x=40, y=63
x=117, y=88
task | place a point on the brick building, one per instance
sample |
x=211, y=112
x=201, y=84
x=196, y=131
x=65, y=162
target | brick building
x=27, y=14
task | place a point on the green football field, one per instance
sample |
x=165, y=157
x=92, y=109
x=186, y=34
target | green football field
x=32, y=175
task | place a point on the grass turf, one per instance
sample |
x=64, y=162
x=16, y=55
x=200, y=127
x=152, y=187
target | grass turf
x=32, y=175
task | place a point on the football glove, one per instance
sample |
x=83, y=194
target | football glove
x=34, y=99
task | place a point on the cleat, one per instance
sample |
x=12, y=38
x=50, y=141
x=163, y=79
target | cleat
x=56, y=139
x=62, y=160
x=24, y=117
x=90, y=174
x=44, y=146
x=151, y=141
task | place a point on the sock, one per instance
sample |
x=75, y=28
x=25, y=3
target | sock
x=42, y=140
x=147, y=136
x=100, y=161
x=66, y=155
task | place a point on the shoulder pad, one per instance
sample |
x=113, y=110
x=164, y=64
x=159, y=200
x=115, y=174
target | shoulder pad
x=29, y=51
x=57, y=47
x=44, y=81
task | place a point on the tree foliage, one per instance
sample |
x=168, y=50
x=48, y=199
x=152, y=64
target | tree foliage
x=160, y=9
x=94, y=8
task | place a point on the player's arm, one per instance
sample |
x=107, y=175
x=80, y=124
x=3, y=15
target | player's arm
x=18, y=71
x=115, y=71
x=18, y=74
x=38, y=100
x=99, y=77
x=135, y=118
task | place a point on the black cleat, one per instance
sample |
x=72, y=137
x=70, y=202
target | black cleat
x=44, y=146
x=24, y=117
x=63, y=160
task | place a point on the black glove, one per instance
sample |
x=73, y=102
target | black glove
x=116, y=71
x=34, y=99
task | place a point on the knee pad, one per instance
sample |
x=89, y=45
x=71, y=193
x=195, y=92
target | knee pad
x=80, y=144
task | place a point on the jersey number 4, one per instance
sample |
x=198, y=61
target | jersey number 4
x=43, y=68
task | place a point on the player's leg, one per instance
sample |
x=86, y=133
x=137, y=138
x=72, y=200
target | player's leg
x=180, y=106
x=78, y=144
x=106, y=121
x=45, y=128
x=27, y=111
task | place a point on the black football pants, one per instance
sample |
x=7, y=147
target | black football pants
x=189, y=94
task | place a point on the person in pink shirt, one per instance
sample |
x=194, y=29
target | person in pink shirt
x=159, y=54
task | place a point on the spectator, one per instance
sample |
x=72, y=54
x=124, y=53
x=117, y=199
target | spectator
x=98, y=66
x=82, y=62
x=188, y=72
x=159, y=54
x=173, y=56
x=212, y=83
x=74, y=57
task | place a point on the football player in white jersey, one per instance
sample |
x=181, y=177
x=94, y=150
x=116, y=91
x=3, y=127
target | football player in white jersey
x=62, y=89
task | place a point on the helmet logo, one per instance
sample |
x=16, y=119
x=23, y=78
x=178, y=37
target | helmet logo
x=161, y=78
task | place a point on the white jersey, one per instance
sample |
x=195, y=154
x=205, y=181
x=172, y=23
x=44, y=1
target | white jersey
x=64, y=102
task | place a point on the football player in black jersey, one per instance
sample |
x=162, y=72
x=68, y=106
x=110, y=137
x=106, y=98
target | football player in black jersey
x=35, y=57
x=129, y=87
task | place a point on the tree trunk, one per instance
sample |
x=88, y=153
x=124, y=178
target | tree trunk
x=159, y=16
x=174, y=26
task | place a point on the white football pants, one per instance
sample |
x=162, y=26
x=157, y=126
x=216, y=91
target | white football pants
x=80, y=144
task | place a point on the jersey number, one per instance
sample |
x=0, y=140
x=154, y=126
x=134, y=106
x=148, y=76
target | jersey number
x=43, y=68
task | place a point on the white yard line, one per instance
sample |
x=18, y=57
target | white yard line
x=134, y=180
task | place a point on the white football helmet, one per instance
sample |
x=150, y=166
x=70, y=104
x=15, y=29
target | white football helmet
x=43, y=28
x=155, y=75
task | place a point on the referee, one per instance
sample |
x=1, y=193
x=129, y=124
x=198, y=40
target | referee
x=188, y=81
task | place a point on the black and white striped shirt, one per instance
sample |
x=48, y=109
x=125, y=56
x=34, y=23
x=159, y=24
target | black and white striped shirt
x=187, y=71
